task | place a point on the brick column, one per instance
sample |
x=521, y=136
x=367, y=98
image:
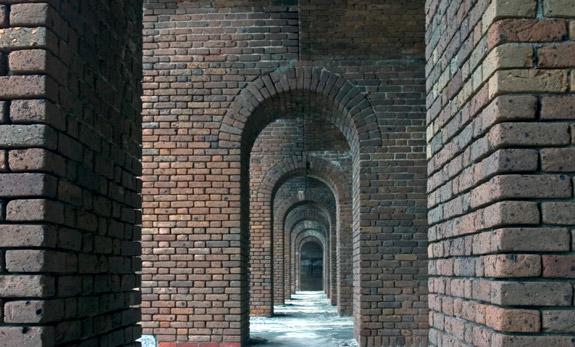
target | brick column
x=70, y=136
x=500, y=114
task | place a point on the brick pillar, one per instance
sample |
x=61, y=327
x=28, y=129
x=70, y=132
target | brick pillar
x=70, y=137
x=500, y=130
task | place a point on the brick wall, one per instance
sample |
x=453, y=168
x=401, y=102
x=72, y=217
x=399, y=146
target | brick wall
x=500, y=85
x=70, y=135
x=216, y=74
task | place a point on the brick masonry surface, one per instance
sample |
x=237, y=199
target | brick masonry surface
x=70, y=135
x=265, y=124
x=242, y=100
x=500, y=179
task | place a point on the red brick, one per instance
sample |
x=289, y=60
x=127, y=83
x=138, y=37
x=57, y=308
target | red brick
x=31, y=86
x=526, y=30
x=513, y=320
x=559, y=213
x=558, y=266
x=558, y=107
x=512, y=265
x=531, y=293
x=28, y=61
x=558, y=159
x=557, y=56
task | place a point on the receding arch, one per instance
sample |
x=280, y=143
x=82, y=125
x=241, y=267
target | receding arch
x=311, y=259
x=354, y=113
x=337, y=100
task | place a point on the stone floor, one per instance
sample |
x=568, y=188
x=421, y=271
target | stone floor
x=308, y=320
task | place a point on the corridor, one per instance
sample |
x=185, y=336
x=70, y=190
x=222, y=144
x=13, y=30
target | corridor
x=307, y=319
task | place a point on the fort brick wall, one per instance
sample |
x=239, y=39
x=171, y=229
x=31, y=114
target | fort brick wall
x=216, y=74
x=499, y=84
x=427, y=146
x=70, y=134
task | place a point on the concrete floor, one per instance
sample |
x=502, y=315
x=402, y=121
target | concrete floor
x=307, y=320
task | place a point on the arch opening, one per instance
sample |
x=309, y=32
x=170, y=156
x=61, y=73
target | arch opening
x=311, y=265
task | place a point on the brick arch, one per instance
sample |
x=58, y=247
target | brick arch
x=341, y=293
x=298, y=165
x=280, y=213
x=354, y=114
x=309, y=235
x=334, y=178
x=308, y=212
x=340, y=103
x=294, y=248
x=265, y=288
x=299, y=214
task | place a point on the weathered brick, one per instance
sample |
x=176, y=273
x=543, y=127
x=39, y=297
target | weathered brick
x=3, y=16
x=27, y=336
x=531, y=293
x=558, y=159
x=35, y=210
x=34, y=311
x=27, y=236
x=37, y=111
x=27, y=87
x=521, y=186
x=512, y=265
x=22, y=286
x=37, y=135
x=558, y=107
x=23, y=38
x=27, y=184
x=557, y=56
x=558, y=266
x=518, y=8
x=500, y=340
x=36, y=159
x=558, y=8
x=562, y=322
x=28, y=61
x=526, y=30
x=35, y=261
x=3, y=161
x=513, y=320
x=529, y=134
x=30, y=14
x=530, y=239
x=525, y=81
x=508, y=56
x=4, y=112
x=558, y=213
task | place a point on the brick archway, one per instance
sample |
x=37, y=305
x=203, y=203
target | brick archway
x=339, y=181
x=353, y=115
x=303, y=238
x=317, y=201
x=303, y=230
x=307, y=212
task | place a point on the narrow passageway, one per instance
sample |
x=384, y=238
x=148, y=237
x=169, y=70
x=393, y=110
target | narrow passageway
x=307, y=319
